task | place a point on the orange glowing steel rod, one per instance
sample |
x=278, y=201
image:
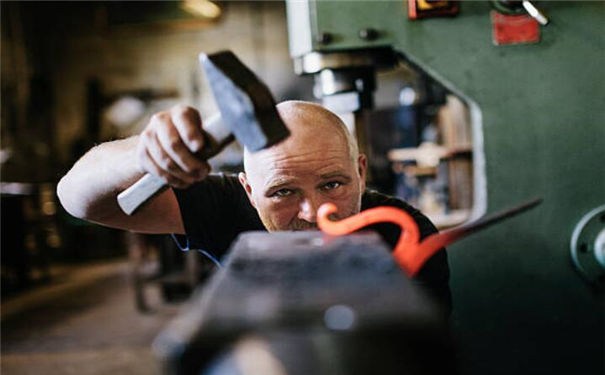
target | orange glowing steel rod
x=410, y=253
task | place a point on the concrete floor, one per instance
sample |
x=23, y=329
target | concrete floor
x=84, y=323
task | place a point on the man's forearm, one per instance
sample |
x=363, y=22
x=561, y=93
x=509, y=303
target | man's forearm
x=90, y=188
x=88, y=191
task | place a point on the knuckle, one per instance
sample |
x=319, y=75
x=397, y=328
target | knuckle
x=174, y=142
x=159, y=117
x=181, y=110
x=147, y=135
x=185, y=114
x=191, y=113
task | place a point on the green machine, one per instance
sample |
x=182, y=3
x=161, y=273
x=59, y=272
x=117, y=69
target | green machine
x=528, y=294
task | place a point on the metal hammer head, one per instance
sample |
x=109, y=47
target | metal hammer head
x=246, y=104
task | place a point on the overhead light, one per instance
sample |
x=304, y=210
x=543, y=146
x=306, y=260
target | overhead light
x=202, y=8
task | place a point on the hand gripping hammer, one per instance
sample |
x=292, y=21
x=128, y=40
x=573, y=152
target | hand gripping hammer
x=247, y=111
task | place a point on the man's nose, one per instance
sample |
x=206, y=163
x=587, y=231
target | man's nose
x=308, y=208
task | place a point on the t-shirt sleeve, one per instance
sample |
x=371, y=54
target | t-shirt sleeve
x=214, y=211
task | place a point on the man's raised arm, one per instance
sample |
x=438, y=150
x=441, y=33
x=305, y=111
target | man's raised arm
x=165, y=148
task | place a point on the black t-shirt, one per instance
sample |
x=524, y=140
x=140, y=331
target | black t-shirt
x=216, y=210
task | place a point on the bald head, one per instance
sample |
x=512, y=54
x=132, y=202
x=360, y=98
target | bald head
x=308, y=122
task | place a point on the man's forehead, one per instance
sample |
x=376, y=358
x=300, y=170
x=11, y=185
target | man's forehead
x=301, y=144
x=313, y=129
x=305, y=161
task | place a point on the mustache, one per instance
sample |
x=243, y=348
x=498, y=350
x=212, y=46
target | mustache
x=299, y=224
x=302, y=225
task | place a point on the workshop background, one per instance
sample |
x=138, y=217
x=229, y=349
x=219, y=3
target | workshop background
x=465, y=108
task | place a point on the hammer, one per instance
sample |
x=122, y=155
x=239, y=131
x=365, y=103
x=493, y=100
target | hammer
x=247, y=111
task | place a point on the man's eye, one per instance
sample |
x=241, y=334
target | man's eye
x=282, y=193
x=332, y=185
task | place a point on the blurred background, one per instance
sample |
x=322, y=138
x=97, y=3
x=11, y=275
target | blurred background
x=456, y=121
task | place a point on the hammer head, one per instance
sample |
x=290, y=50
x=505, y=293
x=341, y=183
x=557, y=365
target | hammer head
x=245, y=102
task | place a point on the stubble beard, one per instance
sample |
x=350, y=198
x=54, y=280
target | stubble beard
x=302, y=225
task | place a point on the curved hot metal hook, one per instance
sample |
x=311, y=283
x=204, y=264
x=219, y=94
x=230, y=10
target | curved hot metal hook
x=409, y=238
x=409, y=253
x=368, y=217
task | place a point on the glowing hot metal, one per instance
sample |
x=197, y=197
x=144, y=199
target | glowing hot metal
x=411, y=253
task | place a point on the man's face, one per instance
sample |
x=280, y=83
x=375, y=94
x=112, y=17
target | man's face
x=288, y=182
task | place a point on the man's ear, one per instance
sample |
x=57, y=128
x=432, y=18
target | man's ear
x=243, y=179
x=362, y=167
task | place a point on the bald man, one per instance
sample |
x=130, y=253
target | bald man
x=281, y=187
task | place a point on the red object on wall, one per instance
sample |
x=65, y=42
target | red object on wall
x=514, y=29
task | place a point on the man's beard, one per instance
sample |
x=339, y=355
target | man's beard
x=302, y=225
x=295, y=225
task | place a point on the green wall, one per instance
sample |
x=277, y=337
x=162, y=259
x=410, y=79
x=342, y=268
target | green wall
x=520, y=307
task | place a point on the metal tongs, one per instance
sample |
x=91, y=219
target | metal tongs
x=410, y=253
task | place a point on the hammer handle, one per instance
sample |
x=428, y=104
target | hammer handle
x=140, y=192
x=217, y=136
